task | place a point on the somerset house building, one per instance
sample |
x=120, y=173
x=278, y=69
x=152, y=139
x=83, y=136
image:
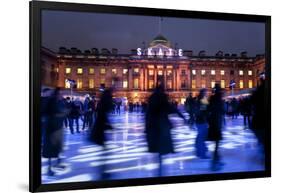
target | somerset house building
x=135, y=75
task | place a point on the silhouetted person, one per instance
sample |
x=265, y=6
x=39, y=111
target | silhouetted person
x=86, y=113
x=201, y=117
x=259, y=110
x=216, y=111
x=74, y=115
x=97, y=133
x=246, y=110
x=190, y=108
x=157, y=124
x=53, y=136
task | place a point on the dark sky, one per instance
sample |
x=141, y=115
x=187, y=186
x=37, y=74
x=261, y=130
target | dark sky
x=126, y=32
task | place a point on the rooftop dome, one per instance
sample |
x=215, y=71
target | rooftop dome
x=160, y=39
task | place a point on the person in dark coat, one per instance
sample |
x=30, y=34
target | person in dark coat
x=216, y=111
x=97, y=132
x=157, y=124
x=201, y=120
x=258, y=124
x=53, y=135
x=74, y=115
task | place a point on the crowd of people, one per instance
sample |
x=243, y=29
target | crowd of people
x=206, y=115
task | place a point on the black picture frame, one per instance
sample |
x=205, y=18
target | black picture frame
x=35, y=140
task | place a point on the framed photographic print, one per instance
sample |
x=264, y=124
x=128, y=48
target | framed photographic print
x=126, y=96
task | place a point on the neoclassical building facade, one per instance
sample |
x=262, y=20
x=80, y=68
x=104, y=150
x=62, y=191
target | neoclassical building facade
x=135, y=75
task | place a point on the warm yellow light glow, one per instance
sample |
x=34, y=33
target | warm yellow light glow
x=79, y=83
x=241, y=72
x=67, y=70
x=222, y=72
x=203, y=83
x=66, y=84
x=213, y=72
x=114, y=71
x=250, y=72
x=250, y=83
x=222, y=83
x=102, y=71
x=125, y=84
x=91, y=70
x=203, y=72
x=91, y=83
x=213, y=83
x=241, y=84
x=193, y=84
x=79, y=70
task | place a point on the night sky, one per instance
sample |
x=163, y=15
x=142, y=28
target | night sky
x=126, y=32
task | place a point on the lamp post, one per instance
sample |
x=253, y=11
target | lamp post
x=232, y=85
x=71, y=83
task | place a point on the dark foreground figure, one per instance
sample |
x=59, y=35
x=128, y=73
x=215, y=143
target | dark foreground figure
x=158, y=126
x=215, y=120
x=55, y=113
x=97, y=133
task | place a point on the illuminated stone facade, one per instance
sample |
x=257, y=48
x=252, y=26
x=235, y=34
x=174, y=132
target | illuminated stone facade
x=135, y=75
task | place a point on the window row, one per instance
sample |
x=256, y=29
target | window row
x=91, y=83
x=79, y=70
x=221, y=72
x=222, y=84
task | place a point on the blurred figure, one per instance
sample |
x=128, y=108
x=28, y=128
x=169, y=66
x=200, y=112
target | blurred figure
x=53, y=136
x=74, y=115
x=201, y=117
x=97, y=132
x=189, y=104
x=86, y=112
x=216, y=111
x=67, y=104
x=259, y=109
x=246, y=109
x=158, y=125
x=44, y=100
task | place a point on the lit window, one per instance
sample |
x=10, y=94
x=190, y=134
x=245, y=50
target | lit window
x=250, y=72
x=241, y=84
x=151, y=72
x=222, y=83
x=241, y=72
x=203, y=72
x=102, y=71
x=213, y=72
x=203, y=83
x=114, y=71
x=160, y=72
x=136, y=83
x=136, y=70
x=250, y=83
x=67, y=70
x=125, y=71
x=193, y=72
x=79, y=70
x=125, y=84
x=151, y=84
x=102, y=81
x=169, y=72
x=193, y=84
x=91, y=83
x=91, y=70
x=213, y=84
x=222, y=72
x=66, y=84
x=79, y=83
x=169, y=84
